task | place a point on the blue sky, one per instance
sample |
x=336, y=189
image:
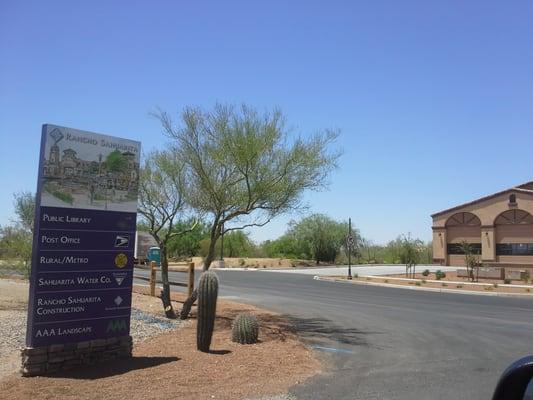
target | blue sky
x=433, y=99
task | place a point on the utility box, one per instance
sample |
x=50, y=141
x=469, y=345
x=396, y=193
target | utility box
x=154, y=254
x=515, y=274
x=491, y=273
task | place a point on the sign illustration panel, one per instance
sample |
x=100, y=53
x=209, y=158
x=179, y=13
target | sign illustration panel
x=83, y=244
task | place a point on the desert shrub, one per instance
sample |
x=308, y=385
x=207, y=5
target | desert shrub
x=417, y=283
x=507, y=281
x=425, y=272
x=440, y=275
x=242, y=262
x=495, y=285
x=423, y=281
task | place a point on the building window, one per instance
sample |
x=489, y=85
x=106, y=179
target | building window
x=512, y=199
x=514, y=249
x=456, y=249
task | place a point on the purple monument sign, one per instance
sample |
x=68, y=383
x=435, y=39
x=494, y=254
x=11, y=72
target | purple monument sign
x=85, y=220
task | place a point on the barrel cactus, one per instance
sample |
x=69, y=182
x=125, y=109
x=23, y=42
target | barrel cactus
x=207, y=304
x=245, y=329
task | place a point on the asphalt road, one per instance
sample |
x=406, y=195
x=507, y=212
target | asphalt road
x=386, y=343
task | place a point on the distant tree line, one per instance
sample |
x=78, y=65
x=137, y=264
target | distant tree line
x=317, y=237
x=16, y=239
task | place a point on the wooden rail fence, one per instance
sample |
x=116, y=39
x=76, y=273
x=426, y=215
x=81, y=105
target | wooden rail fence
x=189, y=270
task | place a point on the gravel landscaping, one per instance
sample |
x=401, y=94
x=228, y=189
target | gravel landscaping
x=166, y=363
x=13, y=306
x=144, y=325
x=13, y=328
x=12, y=331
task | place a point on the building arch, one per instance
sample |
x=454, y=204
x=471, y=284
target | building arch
x=462, y=227
x=514, y=230
x=463, y=219
x=514, y=217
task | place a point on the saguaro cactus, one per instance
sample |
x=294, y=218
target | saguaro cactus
x=245, y=329
x=207, y=304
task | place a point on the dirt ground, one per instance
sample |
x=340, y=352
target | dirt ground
x=261, y=263
x=13, y=294
x=168, y=366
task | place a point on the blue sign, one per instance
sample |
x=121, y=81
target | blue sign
x=83, y=244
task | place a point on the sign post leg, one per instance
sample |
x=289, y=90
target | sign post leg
x=153, y=271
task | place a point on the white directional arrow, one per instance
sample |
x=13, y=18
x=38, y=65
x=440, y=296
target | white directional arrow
x=118, y=300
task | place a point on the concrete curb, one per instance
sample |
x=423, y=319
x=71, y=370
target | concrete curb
x=238, y=269
x=426, y=289
x=448, y=282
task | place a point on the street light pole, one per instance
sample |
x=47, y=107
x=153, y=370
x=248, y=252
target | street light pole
x=221, y=262
x=350, y=239
x=222, y=246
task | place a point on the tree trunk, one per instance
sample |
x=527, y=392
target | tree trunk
x=187, y=305
x=165, y=293
x=210, y=254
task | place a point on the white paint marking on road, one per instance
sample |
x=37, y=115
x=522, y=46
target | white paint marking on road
x=332, y=349
x=231, y=297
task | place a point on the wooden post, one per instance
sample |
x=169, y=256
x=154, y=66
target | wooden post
x=190, y=284
x=153, y=271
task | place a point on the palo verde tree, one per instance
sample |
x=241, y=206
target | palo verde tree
x=322, y=237
x=161, y=205
x=243, y=168
x=24, y=203
x=410, y=253
x=471, y=260
x=190, y=243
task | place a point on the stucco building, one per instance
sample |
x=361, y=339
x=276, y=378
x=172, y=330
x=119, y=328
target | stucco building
x=499, y=228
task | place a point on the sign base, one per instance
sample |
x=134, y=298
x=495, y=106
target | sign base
x=60, y=357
